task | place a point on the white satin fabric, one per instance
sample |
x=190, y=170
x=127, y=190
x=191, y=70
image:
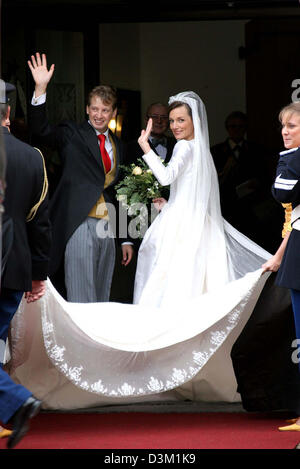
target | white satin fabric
x=197, y=282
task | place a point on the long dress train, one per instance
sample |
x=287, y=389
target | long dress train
x=74, y=358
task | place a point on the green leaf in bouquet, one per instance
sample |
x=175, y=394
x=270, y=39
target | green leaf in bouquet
x=122, y=190
x=135, y=198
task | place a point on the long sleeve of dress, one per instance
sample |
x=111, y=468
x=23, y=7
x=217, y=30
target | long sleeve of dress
x=286, y=187
x=181, y=156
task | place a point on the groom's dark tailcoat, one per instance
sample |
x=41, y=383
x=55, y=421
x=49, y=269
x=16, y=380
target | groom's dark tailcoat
x=82, y=179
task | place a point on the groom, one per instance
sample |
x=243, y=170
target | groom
x=83, y=254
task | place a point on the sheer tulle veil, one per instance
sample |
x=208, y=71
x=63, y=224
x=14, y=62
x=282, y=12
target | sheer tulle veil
x=229, y=254
x=203, y=220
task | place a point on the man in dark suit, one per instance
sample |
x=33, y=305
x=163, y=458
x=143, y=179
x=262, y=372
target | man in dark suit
x=244, y=180
x=26, y=245
x=236, y=162
x=81, y=209
x=159, y=142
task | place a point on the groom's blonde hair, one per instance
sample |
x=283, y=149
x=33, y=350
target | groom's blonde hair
x=107, y=93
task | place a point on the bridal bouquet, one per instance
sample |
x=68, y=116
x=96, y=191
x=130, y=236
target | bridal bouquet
x=138, y=187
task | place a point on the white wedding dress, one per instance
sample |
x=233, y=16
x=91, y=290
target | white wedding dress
x=197, y=282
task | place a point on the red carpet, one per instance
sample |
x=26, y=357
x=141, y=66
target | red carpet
x=157, y=431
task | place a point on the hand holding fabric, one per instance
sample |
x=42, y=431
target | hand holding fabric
x=273, y=264
x=37, y=291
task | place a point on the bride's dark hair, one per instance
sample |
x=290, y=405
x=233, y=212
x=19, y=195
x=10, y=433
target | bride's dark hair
x=176, y=104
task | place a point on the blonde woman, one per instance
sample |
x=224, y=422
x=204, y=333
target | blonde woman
x=286, y=189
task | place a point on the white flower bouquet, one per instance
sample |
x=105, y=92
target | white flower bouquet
x=139, y=186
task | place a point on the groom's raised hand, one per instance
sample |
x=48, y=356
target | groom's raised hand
x=40, y=73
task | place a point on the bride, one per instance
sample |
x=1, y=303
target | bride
x=197, y=282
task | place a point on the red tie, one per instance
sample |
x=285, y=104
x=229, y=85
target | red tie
x=104, y=154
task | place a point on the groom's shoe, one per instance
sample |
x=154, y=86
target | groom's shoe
x=20, y=420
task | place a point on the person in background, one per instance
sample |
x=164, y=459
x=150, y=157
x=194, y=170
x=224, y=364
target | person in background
x=269, y=382
x=244, y=179
x=159, y=141
x=26, y=240
x=286, y=189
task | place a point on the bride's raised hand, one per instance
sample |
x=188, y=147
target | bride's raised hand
x=144, y=137
x=40, y=73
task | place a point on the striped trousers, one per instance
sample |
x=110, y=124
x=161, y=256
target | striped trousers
x=90, y=262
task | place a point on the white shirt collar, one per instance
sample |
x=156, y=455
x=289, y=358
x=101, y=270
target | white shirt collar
x=286, y=152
